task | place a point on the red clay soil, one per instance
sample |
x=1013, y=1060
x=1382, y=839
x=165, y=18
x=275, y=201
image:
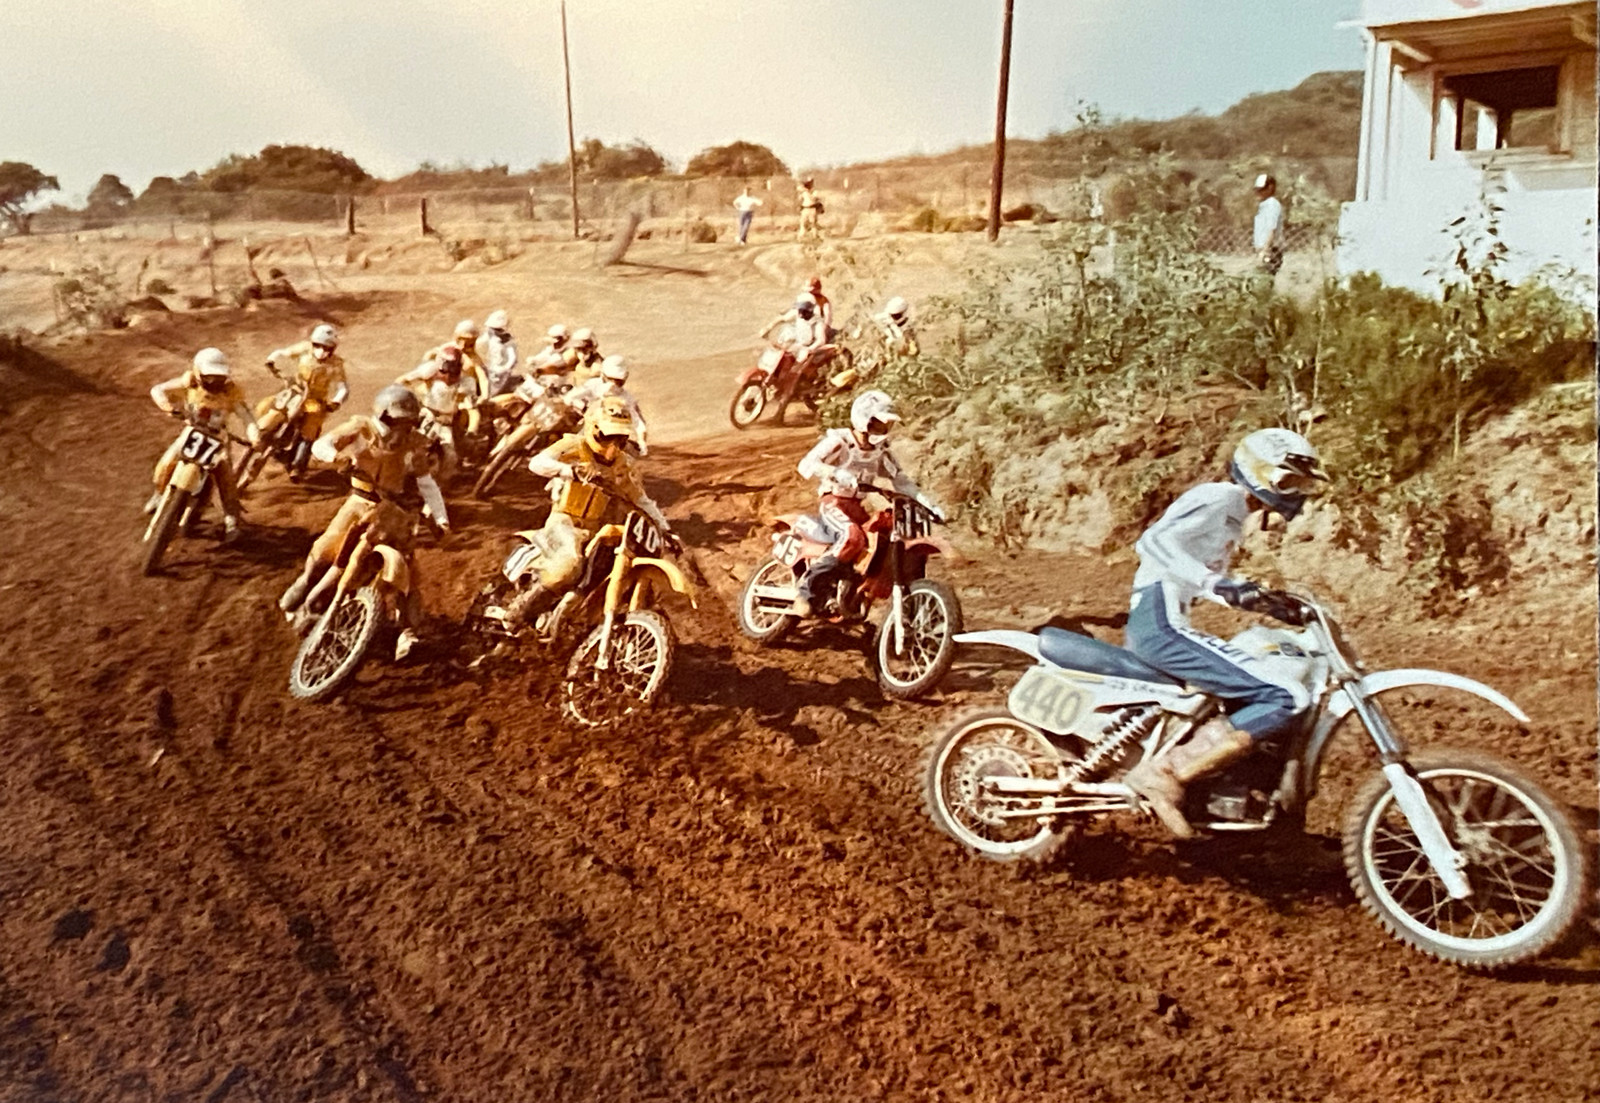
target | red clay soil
x=435, y=888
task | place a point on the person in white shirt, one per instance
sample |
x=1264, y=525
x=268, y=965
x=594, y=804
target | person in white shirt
x=498, y=351
x=1183, y=558
x=746, y=205
x=1268, y=233
x=613, y=375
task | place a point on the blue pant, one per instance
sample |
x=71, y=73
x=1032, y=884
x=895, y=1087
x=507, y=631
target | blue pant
x=744, y=224
x=1207, y=663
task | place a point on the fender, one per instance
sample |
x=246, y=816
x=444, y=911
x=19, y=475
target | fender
x=670, y=571
x=926, y=546
x=1025, y=642
x=1338, y=705
x=188, y=477
x=751, y=375
x=529, y=534
x=396, y=571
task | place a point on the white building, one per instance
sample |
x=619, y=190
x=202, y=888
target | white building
x=1461, y=94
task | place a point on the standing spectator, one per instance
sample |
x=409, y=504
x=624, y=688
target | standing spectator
x=1268, y=237
x=746, y=205
x=810, y=210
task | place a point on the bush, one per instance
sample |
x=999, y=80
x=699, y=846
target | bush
x=159, y=286
x=700, y=231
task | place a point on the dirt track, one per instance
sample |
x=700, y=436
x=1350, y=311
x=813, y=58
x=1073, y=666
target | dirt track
x=435, y=889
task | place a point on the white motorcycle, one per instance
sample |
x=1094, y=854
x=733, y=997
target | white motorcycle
x=1456, y=853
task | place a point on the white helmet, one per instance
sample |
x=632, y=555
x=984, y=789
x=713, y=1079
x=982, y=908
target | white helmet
x=1279, y=467
x=467, y=328
x=557, y=334
x=497, y=320
x=211, y=363
x=583, y=338
x=897, y=309
x=395, y=403
x=872, y=407
x=614, y=368
x=325, y=336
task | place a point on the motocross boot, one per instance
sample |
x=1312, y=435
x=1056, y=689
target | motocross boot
x=823, y=570
x=520, y=610
x=1161, y=781
x=299, y=461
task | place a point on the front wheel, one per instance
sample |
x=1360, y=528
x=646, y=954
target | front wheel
x=1525, y=863
x=957, y=773
x=163, y=528
x=748, y=405
x=253, y=462
x=491, y=474
x=641, y=656
x=757, y=622
x=335, y=646
x=927, y=647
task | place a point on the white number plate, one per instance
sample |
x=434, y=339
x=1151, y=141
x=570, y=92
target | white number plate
x=1047, y=700
x=786, y=548
x=201, y=447
x=644, y=535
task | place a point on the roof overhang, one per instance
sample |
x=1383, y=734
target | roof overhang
x=1453, y=30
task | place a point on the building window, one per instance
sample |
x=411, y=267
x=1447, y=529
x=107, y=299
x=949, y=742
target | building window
x=1503, y=109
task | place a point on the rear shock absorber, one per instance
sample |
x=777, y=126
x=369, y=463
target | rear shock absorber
x=1128, y=727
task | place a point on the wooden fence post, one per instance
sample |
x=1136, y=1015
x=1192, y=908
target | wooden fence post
x=350, y=217
x=422, y=209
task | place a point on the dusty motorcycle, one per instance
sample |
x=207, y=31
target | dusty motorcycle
x=187, y=491
x=543, y=419
x=369, y=580
x=621, y=663
x=915, y=644
x=281, y=437
x=1456, y=853
x=777, y=380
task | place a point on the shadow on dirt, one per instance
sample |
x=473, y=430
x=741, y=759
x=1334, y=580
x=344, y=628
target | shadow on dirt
x=805, y=710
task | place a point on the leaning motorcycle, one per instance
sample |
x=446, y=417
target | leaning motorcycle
x=777, y=380
x=621, y=663
x=915, y=644
x=188, y=489
x=544, y=419
x=1456, y=853
x=281, y=437
x=369, y=580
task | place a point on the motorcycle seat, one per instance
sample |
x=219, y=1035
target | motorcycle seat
x=1075, y=651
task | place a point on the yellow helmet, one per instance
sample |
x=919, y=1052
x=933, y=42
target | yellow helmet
x=608, y=426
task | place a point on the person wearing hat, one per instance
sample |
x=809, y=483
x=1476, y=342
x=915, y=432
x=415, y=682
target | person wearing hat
x=1268, y=236
x=810, y=210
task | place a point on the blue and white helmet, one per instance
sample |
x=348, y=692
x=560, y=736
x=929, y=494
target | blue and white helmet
x=1279, y=467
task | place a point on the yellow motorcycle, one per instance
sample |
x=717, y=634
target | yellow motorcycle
x=188, y=488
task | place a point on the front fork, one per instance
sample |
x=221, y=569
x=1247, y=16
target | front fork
x=619, y=572
x=1447, y=861
x=897, y=596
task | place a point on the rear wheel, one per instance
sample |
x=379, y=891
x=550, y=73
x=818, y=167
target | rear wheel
x=335, y=646
x=932, y=618
x=1525, y=863
x=957, y=771
x=757, y=621
x=641, y=657
x=163, y=527
x=748, y=405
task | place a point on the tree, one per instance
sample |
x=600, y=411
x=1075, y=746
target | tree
x=289, y=168
x=742, y=159
x=19, y=183
x=109, y=194
x=603, y=162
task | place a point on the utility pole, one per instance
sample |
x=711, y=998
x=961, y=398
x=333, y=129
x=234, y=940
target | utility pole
x=997, y=177
x=572, y=148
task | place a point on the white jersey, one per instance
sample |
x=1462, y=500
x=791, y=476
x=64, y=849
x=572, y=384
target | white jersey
x=844, y=465
x=499, y=359
x=591, y=390
x=440, y=397
x=1190, y=546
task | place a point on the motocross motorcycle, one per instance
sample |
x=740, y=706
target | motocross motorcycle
x=1456, y=853
x=544, y=419
x=188, y=489
x=621, y=663
x=369, y=581
x=280, y=435
x=777, y=380
x=915, y=644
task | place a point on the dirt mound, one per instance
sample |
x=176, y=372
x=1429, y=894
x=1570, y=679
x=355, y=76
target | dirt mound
x=435, y=888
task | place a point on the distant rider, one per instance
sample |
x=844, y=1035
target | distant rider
x=385, y=453
x=204, y=396
x=465, y=342
x=586, y=356
x=612, y=380
x=848, y=462
x=497, y=351
x=444, y=390
x=591, y=478
x=1183, y=557
x=557, y=358
x=813, y=292
x=314, y=363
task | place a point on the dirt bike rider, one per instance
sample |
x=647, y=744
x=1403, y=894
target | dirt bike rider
x=557, y=359
x=586, y=356
x=384, y=452
x=894, y=326
x=848, y=461
x=813, y=292
x=590, y=476
x=315, y=364
x=1184, y=556
x=800, y=333
x=497, y=351
x=464, y=342
x=204, y=395
x=443, y=389
x=612, y=380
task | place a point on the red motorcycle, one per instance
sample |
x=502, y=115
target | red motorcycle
x=916, y=642
x=776, y=379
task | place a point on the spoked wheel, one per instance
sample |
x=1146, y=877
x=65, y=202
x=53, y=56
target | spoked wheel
x=928, y=646
x=641, y=656
x=253, y=462
x=491, y=474
x=1525, y=863
x=756, y=621
x=978, y=747
x=163, y=527
x=748, y=405
x=335, y=646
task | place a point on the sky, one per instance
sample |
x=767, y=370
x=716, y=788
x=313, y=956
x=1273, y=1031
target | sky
x=142, y=88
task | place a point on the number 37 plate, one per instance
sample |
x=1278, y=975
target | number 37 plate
x=201, y=447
